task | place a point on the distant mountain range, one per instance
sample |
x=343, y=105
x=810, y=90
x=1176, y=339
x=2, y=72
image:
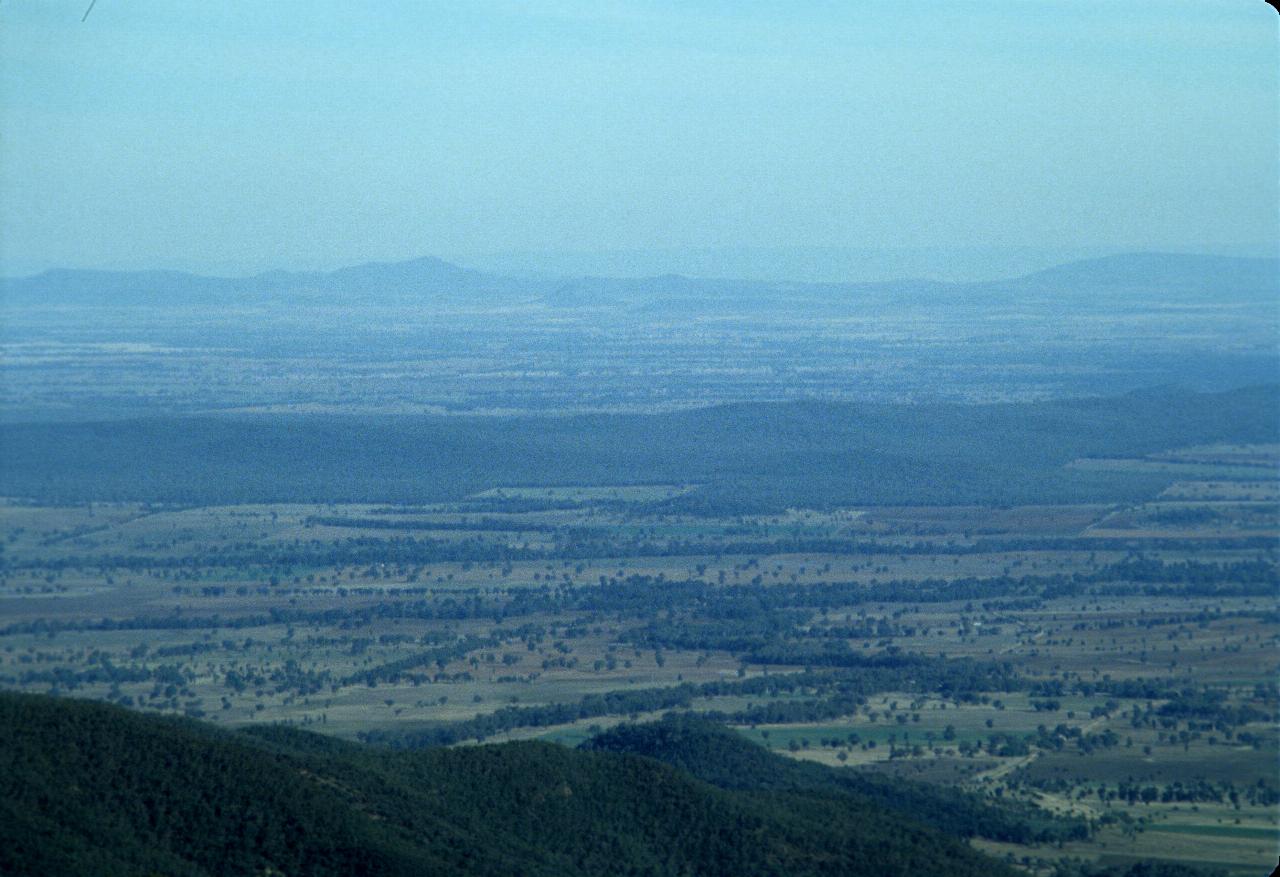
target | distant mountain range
x=398, y=282
x=813, y=264
x=1174, y=273
x=1164, y=277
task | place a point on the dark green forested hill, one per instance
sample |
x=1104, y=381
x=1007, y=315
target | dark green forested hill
x=719, y=756
x=87, y=788
x=746, y=457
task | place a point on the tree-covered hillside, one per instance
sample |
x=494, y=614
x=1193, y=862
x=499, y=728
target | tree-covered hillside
x=88, y=788
x=725, y=759
x=749, y=457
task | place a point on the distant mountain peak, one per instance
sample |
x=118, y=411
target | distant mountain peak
x=420, y=265
x=1157, y=267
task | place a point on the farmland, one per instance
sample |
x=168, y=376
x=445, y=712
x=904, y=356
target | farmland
x=1107, y=661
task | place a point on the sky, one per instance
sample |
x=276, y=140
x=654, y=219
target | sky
x=236, y=136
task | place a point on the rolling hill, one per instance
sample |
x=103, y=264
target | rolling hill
x=92, y=788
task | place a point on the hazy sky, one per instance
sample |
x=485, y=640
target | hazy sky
x=226, y=135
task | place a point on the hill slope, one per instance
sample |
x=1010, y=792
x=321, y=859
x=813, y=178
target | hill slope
x=91, y=788
x=725, y=759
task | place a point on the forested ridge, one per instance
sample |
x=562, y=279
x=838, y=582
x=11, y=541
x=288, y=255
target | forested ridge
x=723, y=758
x=91, y=788
x=741, y=457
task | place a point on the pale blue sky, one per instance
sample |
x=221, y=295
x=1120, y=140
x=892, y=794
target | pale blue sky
x=238, y=136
